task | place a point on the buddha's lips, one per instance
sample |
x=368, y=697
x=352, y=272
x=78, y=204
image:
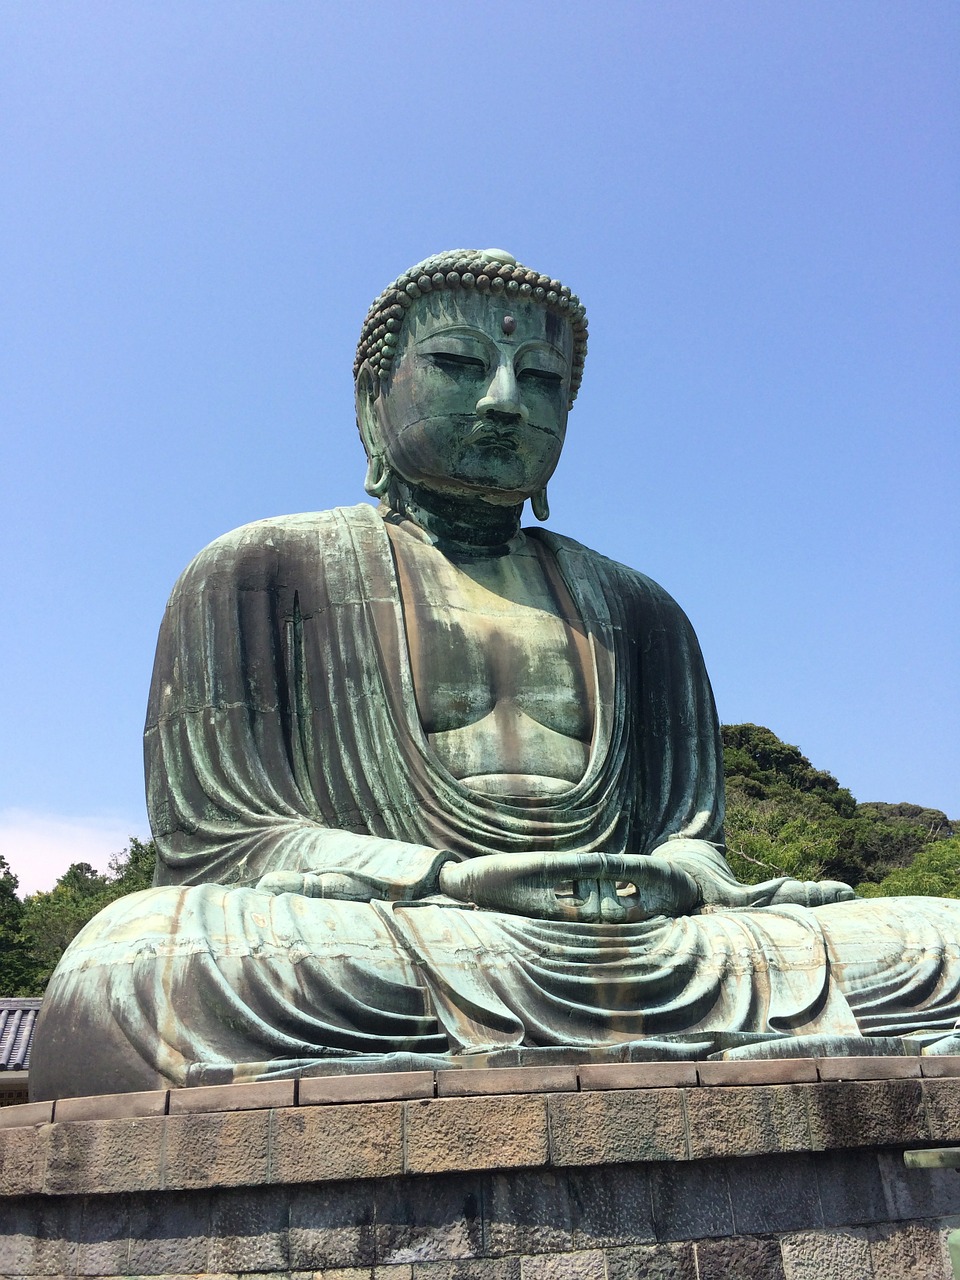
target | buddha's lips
x=488, y=433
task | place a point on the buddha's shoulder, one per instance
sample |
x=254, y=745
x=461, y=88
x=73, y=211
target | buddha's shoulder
x=266, y=546
x=583, y=561
x=278, y=533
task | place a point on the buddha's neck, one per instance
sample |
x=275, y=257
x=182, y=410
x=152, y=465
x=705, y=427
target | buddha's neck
x=464, y=525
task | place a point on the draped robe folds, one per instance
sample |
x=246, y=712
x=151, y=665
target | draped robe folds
x=282, y=735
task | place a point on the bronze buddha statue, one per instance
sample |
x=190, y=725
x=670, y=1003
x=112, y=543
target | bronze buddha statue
x=427, y=785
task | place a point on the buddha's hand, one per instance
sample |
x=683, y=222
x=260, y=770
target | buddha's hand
x=812, y=893
x=588, y=887
x=325, y=884
x=783, y=891
x=720, y=889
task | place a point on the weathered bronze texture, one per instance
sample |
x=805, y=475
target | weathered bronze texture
x=428, y=785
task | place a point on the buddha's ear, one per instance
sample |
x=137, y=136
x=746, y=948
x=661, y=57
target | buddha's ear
x=367, y=392
x=378, y=477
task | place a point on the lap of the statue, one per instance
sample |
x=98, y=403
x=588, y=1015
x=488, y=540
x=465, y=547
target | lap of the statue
x=888, y=966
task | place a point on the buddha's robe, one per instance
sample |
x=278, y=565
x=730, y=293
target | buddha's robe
x=283, y=734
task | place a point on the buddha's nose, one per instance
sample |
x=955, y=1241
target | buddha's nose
x=502, y=402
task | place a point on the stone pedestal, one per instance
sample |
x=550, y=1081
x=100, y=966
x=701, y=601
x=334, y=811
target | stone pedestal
x=678, y=1171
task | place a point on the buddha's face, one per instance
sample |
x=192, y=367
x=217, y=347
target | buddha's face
x=476, y=404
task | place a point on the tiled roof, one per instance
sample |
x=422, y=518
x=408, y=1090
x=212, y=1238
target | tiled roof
x=18, y=1017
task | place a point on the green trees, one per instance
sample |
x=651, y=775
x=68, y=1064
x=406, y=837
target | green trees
x=784, y=817
x=35, y=932
x=934, y=871
x=16, y=971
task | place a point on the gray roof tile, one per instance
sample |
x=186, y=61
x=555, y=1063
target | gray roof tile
x=18, y=1017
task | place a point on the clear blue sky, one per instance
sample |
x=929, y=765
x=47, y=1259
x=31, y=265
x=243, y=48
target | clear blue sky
x=758, y=203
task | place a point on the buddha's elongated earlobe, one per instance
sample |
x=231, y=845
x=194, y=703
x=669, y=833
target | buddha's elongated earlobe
x=377, y=480
x=540, y=505
x=378, y=477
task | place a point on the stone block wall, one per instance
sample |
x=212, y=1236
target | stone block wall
x=674, y=1172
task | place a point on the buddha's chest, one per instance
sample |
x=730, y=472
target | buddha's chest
x=498, y=655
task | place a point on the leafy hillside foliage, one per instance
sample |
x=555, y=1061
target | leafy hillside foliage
x=784, y=817
x=34, y=932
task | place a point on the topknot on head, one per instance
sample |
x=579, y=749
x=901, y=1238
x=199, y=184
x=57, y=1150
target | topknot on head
x=492, y=271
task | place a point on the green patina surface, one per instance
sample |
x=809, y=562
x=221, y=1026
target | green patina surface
x=426, y=783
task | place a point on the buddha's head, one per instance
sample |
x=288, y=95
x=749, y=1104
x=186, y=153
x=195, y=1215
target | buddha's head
x=465, y=373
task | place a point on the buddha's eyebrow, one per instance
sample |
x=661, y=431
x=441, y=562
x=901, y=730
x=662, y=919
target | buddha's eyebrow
x=542, y=344
x=466, y=331
x=455, y=331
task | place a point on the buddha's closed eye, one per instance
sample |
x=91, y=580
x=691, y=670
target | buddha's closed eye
x=454, y=363
x=543, y=379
